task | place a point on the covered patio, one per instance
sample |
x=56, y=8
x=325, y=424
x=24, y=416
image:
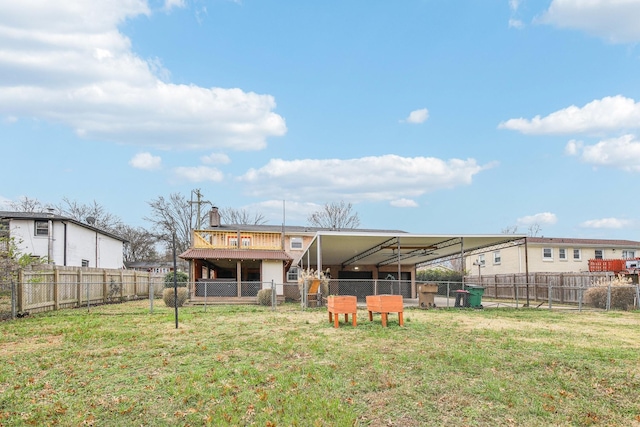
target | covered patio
x=365, y=260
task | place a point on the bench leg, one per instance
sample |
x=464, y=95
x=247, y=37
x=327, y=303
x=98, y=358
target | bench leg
x=354, y=320
x=336, y=321
x=384, y=319
x=401, y=318
x=370, y=316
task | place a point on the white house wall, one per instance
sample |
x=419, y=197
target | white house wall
x=101, y=251
x=273, y=270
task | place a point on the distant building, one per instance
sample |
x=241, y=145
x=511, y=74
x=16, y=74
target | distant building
x=62, y=241
x=548, y=255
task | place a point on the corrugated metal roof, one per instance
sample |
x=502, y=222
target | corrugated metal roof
x=235, y=254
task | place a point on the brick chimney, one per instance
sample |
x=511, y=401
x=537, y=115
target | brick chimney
x=214, y=217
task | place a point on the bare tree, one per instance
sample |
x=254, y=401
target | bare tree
x=336, y=216
x=510, y=229
x=241, y=216
x=533, y=230
x=26, y=204
x=172, y=216
x=141, y=244
x=93, y=214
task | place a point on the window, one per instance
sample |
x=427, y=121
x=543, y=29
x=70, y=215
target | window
x=577, y=255
x=246, y=242
x=292, y=274
x=232, y=242
x=296, y=243
x=562, y=254
x=599, y=254
x=628, y=254
x=85, y=263
x=480, y=259
x=42, y=228
x=547, y=254
x=496, y=257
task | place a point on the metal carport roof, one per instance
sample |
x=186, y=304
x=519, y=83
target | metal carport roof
x=351, y=248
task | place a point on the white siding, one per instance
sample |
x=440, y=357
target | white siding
x=273, y=270
x=69, y=244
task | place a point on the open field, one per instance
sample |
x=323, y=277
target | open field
x=247, y=365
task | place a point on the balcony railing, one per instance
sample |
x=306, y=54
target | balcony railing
x=236, y=240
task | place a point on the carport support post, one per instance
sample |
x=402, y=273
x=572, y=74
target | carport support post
x=319, y=254
x=399, y=267
x=526, y=267
x=239, y=276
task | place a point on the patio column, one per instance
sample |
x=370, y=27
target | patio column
x=239, y=277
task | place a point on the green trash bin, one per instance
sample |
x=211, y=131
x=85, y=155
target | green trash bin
x=475, y=295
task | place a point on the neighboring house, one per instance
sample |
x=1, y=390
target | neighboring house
x=156, y=267
x=548, y=255
x=234, y=260
x=62, y=241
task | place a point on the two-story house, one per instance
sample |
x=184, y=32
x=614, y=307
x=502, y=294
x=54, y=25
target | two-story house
x=231, y=260
x=62, y=241
x=548, y=255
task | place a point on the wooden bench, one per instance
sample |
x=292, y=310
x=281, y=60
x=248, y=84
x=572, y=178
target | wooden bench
x=385, y=304
x=344, y=304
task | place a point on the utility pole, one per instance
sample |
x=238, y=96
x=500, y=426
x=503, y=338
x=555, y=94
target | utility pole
x=199, y=202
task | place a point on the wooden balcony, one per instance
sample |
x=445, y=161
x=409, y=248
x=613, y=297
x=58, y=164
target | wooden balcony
x=216, y=239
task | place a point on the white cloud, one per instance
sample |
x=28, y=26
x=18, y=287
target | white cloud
x=383, y=178
x=614, y=223
x=613, y=20
x=66, y=62
x=198, y=174
x=539, y=218
x=215, y=158
x=146, y=161
x=170, y=4
x=516, y=23
x=417, y=116
x=620, y=153
x=611, y=113
x=573, y=147
x=404, y=203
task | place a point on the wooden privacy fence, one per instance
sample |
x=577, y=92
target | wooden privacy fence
x=564, y=287
x=66, y=287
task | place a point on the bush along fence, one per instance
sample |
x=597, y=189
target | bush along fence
x=55, y=288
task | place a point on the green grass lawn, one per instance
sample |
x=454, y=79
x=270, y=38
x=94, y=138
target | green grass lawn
x=248, y=365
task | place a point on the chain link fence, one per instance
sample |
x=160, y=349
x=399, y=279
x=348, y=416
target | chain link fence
x=55, y=290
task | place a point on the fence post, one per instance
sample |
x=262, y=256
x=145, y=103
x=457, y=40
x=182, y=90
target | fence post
x=20, y=291
x=549, y=294
x=274, y=296
x=580, y=295
x=79, y=288
x=56, y=288
x=152, y=291
x=638, y=296
x=609, y=297
x=105, y=291
x=13, y=299
x=206, y=285
x=515, y=292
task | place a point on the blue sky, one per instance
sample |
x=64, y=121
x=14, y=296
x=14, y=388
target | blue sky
x=429, y=116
